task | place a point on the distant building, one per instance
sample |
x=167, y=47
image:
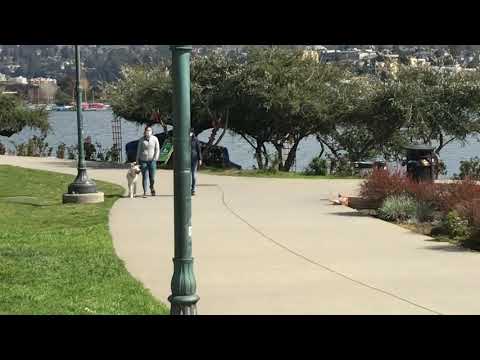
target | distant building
x=341, y=56
x=319, y=48
x=391, y=58
x=42, y=90
x=448, y=69
x=19, y=80
x=367, y=55
x=413, y=61
x=311, y=54
x=41, y=80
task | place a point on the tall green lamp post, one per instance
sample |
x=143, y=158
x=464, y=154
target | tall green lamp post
x=83, y=189
x=184, y=298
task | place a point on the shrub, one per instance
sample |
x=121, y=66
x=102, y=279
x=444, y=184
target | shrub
x=424, y=211
x=473, y=241
x=456, y=226
x=441, y=169
x=90, y=151
x=3, y=149
x=61, y=151
x=317, y=166
x=469, y=169
x=459, y=196
x=100, y=152
x=423, y=191
x=36, y=146
x=343, y=167
x=72, y=152
x=398, y=208
x=274, y=163
x=113, y=154
x=382, y=184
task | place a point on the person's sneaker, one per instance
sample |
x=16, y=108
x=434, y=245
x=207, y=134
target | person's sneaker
x=193, y=192
x=144, y=195
x=153, y=192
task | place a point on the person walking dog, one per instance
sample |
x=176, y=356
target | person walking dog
x=148, y=151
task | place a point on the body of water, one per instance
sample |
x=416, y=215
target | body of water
x=98, y=125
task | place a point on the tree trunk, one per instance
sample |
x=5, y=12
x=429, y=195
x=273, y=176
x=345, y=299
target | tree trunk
x=225, y=128
x=291, y=156
x=279, y=148
x=258, y=157
x=323, y=149
x=437, y=150
x=265, y=155
x=212, y=137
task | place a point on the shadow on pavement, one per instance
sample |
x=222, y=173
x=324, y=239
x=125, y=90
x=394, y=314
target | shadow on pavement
x=447, y=248
x=141, y=196
x=351, y=214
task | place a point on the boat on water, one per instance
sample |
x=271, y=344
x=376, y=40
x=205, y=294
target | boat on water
x=95, y=107
x=64, y=108
x=47, y=107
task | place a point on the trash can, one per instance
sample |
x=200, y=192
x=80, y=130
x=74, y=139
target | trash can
x=420, y=162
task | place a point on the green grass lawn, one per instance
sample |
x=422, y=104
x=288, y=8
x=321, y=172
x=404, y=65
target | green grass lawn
x=269, y=174
x=59, y=259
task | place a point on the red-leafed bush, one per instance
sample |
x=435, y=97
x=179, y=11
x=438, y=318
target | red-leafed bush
x=426, y=192
x=382, y=183
x=457, y=196
x=461, y=196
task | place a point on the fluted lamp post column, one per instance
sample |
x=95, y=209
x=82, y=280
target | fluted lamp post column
x=83, y=189
x=183, y=285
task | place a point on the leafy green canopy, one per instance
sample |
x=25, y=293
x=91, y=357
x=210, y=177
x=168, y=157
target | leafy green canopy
x=14, y=116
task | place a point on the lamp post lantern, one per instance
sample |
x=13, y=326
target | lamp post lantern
x=183, y=285
x=83, y=189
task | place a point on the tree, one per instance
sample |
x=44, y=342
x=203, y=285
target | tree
x=249, y=117
x=274, y=96
x=14, y=116
x=454, y=50
x=278, y=99
x=363, y=118
x=140, y=93
x=144, y=92
x=440, y=107
x=62, y=98
x=211, y=77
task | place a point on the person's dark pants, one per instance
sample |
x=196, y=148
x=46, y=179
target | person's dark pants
x=194, y=174
x=150, y=167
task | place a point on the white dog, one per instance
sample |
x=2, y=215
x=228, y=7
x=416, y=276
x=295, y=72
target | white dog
x=132, y=177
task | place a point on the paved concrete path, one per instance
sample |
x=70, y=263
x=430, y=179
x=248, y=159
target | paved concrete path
x=276, y=246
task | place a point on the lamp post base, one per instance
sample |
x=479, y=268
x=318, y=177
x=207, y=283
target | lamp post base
x=91, y=198
x=183, y=305
x=82, y=184
x=82, y=190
